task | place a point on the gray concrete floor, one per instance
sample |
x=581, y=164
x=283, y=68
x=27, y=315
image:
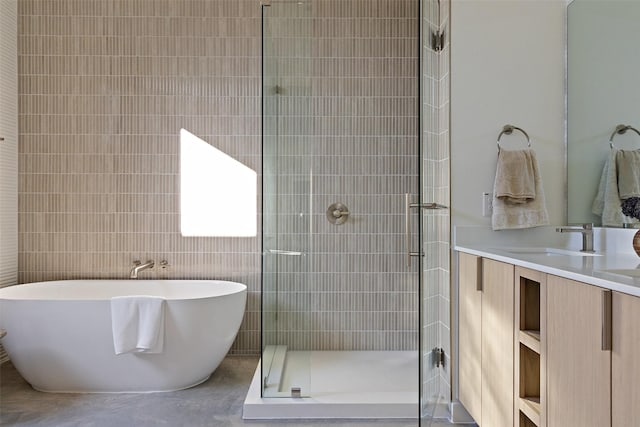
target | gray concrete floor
x=217, y=402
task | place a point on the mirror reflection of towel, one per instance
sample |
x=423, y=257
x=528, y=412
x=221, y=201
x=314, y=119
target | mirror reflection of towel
x=607, y=203
x=628, y=166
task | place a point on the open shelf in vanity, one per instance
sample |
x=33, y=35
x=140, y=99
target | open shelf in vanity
x=529, y=343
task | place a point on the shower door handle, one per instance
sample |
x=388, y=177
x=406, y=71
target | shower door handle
x=407, y=222
x=407, y=228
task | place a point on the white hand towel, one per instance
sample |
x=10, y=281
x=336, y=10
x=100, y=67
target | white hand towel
x=137, y=323
x=532, y=213
x=607, y=203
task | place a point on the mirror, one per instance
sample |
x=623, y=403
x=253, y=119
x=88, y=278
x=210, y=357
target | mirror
x=603, y=84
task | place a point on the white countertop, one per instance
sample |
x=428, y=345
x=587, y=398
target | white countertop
x=587, y=269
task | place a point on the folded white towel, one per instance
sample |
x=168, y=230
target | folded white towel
x=137, y=323
x=607, y=203
x=532, y=213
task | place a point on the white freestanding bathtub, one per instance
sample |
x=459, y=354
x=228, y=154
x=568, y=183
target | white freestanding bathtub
x=59, y=334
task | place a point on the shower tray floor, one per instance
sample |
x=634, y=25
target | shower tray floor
x=341, y=384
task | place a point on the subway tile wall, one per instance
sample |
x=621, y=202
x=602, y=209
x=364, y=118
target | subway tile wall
x=104, y=88
x=8, y=148
x=8, y=145
x=287, y=172
x=443, y=191
x=436, y=188
x=342, y=126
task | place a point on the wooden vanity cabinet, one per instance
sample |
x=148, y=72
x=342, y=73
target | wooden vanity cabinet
x=540, y=350
x=486, y=297
x=592, y=364
x=593, y=367
x=470, y=333
x=578, y=361
x=625, y=361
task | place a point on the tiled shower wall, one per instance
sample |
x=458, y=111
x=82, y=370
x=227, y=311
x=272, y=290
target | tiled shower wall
x=8, y=147
x=436, y=188
x=105, y=87
x=8, y=144
x=342, y=127
x=287, y=172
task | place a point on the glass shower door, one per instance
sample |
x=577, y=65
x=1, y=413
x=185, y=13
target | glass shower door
x=286, y=192
x=343, y=131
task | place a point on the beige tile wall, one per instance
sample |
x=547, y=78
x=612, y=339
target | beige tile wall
x=105, y=87
x=8, y=148
x=343, y=128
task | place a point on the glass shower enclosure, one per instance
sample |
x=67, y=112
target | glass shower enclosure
x=353, y=254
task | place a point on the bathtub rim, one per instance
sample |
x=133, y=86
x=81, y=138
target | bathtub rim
x=235, y=288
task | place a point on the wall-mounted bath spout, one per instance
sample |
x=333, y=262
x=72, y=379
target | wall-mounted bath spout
x=138, y=267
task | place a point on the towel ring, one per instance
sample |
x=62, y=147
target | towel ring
x=508, y=129
x=621, y=130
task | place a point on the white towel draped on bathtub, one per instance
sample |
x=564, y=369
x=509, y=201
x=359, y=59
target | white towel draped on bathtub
x=138, y=324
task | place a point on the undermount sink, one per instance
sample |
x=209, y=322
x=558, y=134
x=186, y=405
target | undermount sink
x=635, y=273
x=547, y=251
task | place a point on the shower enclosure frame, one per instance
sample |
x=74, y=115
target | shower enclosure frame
x=424, y=356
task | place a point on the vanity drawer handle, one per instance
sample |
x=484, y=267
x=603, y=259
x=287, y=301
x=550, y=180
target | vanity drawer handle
x=479, y=284
x=607, y=331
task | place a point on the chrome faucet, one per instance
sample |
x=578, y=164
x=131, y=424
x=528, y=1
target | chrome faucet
x=138, y=267
x=587, y=235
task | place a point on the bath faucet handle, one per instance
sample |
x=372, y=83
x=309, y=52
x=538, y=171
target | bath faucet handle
x=164, y=264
